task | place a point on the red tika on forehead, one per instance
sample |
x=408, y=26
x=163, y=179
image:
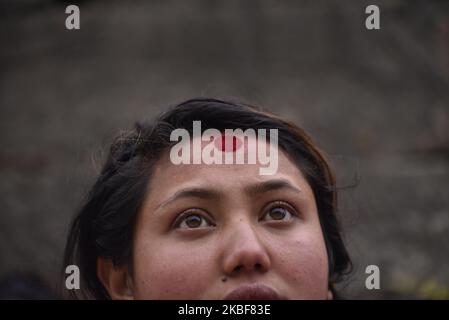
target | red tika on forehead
x=228, y=143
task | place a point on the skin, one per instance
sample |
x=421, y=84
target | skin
x=238, y=232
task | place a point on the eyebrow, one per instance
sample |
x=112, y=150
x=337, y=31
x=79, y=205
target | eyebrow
x=192, y=192
x=270, y=185
x=208, y=194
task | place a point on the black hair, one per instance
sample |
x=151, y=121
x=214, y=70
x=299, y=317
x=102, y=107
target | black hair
x=104, y=226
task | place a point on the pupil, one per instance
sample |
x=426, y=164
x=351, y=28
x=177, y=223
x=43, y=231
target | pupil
x=278, y=213
x=193, y=221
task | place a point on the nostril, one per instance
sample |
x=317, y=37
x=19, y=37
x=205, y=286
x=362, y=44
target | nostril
x=257, y=267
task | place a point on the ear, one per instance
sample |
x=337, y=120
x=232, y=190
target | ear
x=116, y=279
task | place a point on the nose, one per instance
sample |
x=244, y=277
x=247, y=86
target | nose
x=244, y=252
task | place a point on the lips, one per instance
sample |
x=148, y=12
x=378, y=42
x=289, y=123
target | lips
x=253, y=292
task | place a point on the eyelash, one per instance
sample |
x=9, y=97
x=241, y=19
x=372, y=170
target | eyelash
x=191, y=212
x=280, y=204
x=199, y=212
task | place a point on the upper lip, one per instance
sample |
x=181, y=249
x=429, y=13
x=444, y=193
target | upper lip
x=253, y=292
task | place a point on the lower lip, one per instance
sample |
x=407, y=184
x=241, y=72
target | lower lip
x=253, y=292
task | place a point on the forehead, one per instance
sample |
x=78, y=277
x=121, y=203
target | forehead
x=168, y=177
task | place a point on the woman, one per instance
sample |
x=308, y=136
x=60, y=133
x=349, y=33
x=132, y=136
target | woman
x=155, y=229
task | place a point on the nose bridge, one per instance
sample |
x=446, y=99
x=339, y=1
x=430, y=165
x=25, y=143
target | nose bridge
x=244, y=251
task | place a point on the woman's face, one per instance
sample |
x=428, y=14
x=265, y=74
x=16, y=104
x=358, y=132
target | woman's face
x=206, y=230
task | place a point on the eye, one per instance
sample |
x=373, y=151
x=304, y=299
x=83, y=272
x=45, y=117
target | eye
x=192, y=221
x=279, y=211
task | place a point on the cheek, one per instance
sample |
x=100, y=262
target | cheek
x=168, y=270
x=304, y=265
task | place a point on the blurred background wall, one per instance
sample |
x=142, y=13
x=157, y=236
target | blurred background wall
x=376, y=101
